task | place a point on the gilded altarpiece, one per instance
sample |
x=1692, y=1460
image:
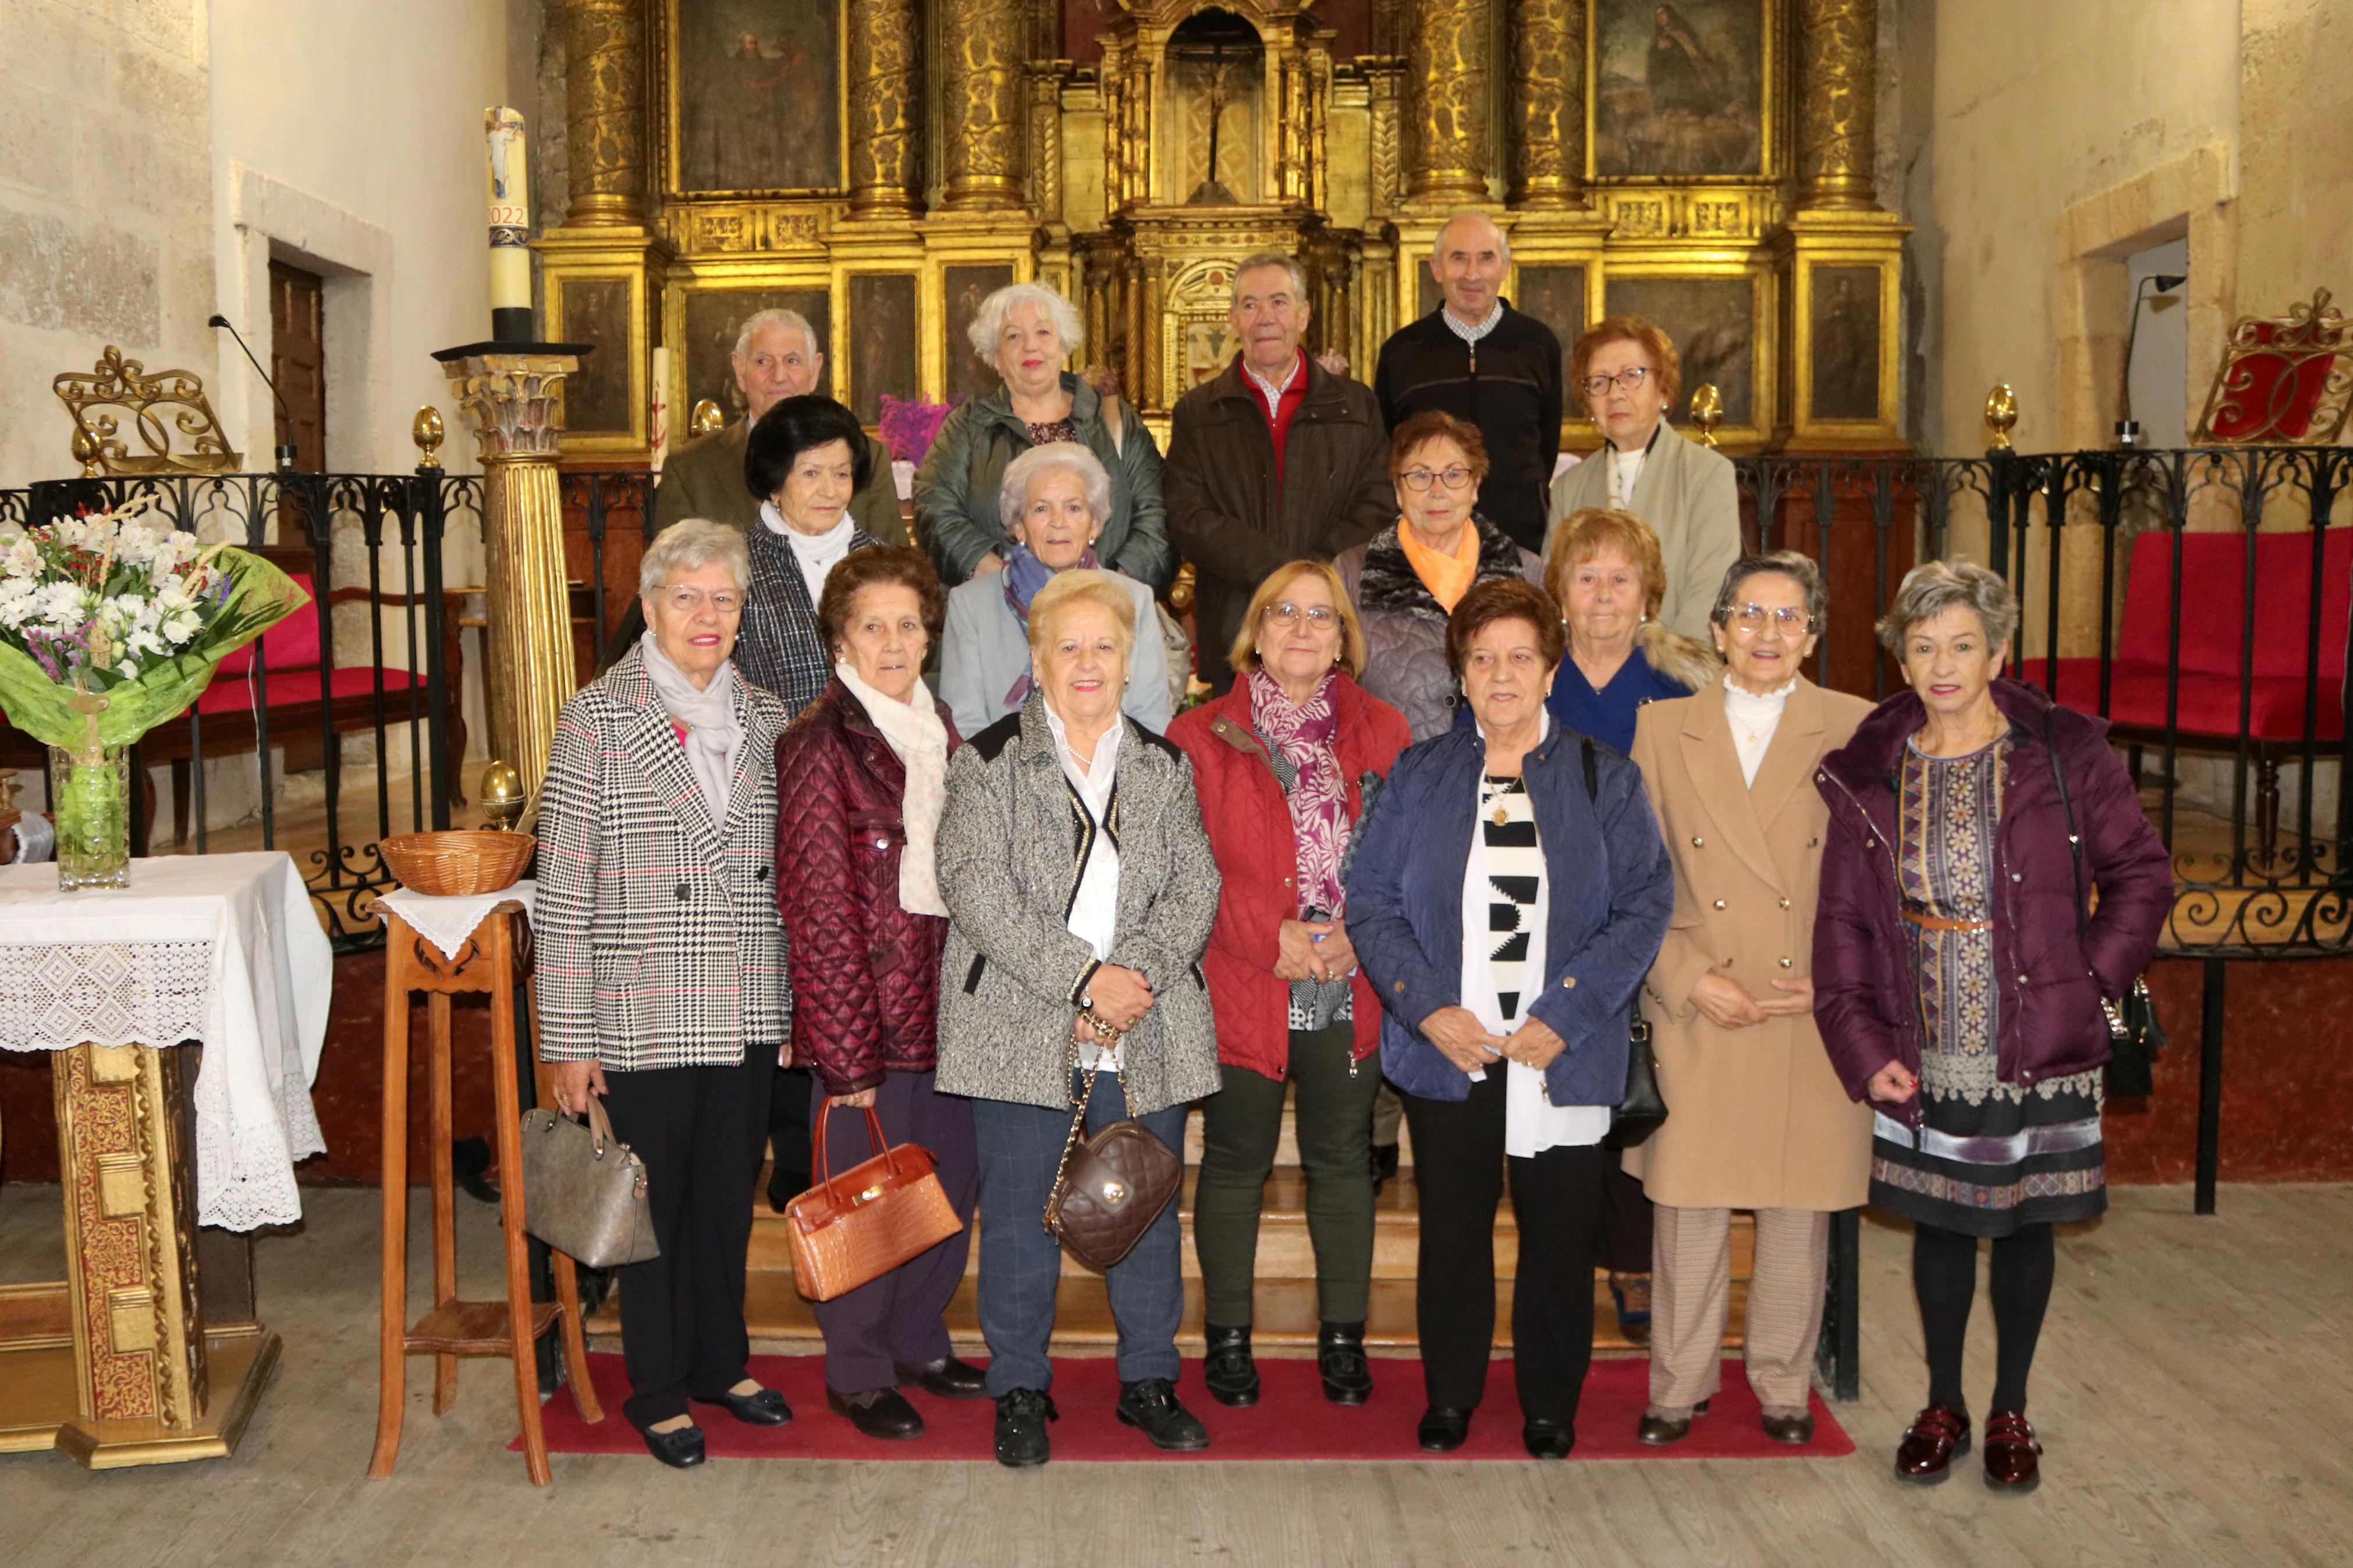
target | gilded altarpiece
x=1707, y=163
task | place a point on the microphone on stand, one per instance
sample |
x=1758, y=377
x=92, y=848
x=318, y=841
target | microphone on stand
x=285, y=453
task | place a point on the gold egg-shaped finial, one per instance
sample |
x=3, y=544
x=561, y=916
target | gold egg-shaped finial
x=85, y=452
x=707, y=418
x=426, y=431
x=502, y=796
x=1707, y=411
x=2000, y=414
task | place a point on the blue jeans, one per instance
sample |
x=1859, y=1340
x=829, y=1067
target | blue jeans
x=1021, y=1261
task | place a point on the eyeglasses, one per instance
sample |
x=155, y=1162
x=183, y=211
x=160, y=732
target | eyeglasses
x=1419, y=479
x=1787, y=618
x=1632, y=379
x=1321, y=617
x=687, y=601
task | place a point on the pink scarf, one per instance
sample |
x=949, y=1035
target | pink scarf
x=1303, y=734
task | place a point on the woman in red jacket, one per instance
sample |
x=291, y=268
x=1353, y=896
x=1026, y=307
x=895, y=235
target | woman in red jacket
x=1286, y=764
x=864, y=768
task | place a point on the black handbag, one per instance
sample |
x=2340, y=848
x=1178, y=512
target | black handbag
x=1641, y=1110
x=2135, y=1034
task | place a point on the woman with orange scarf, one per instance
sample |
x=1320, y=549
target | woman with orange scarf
x=1408, y=578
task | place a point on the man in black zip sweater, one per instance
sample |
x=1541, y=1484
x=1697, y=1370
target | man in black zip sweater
x=1481, y=361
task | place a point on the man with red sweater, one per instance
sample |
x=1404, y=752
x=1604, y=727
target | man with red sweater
x=1275, y=459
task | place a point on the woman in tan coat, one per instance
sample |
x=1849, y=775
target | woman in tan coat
x=1756, y=1118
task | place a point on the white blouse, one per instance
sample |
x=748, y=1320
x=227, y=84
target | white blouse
x=1754, y=719
x=1094, y=909
x=814, y=554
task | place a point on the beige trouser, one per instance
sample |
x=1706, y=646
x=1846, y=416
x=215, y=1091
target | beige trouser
x=1691, y=1292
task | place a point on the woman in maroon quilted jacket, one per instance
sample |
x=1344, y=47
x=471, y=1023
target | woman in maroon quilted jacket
x=860, y=778
x=1959, y=982
x=1282, y=763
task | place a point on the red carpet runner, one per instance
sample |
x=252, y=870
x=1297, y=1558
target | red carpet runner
x=1291, y=1420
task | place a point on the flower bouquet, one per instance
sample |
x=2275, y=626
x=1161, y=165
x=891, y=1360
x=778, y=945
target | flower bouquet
x=112, y=623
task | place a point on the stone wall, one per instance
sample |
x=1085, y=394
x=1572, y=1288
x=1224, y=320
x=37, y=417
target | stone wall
x=105, y=206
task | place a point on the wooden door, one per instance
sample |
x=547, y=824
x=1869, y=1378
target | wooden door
x=298, y=362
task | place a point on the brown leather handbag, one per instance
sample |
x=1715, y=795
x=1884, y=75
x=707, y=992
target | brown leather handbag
x=861, y=1225
x=1112, y=1187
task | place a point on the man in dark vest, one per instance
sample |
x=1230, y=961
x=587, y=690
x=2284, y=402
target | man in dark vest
x=1273, y=459
x=1478, y=358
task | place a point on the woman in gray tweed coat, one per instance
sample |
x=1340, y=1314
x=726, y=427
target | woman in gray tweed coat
x=1080, y=888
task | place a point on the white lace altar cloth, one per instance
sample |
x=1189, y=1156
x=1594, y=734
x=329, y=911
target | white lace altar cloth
x=222, y=949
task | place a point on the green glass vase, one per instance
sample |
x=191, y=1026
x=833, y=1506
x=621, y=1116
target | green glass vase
x=92, y=808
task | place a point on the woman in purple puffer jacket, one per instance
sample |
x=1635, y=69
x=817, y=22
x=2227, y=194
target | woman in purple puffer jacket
x=1959, y=982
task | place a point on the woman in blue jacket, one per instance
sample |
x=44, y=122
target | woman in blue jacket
x=1510, y=892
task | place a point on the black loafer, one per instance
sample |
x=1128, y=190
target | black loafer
x=1228, y=1370
x=765, y=1407
x=1150, y=1403
x=1443, y=1431
x=946, y=1378
x=1549, y=1439
x=1340, y=1359
x=1021, y=1437
x=1658, y=1431
x=680, y=1449
x=881, y=1412
x=1795, y=1430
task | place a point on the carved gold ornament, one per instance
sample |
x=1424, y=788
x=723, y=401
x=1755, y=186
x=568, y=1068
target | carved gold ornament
x=119, y=391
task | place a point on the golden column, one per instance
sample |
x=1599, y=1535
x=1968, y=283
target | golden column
x=510, y=398
x=885, y=46
x=1838, y=47
x=604, y=110
x=1547, y=72
x=1446, y=78
x=981, y=98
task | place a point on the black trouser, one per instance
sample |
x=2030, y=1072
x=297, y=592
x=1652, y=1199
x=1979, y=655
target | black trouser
x=699, y=1131
x=788, y=1131
x=1627, y=1227
x=1557, y=1199
x=1944, y=1283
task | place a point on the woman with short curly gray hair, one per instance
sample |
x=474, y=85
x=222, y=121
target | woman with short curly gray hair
x=1026, y=331
x=1962, y=988
x=1053, y=500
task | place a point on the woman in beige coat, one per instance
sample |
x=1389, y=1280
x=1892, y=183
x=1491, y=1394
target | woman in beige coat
x=1756, y=1118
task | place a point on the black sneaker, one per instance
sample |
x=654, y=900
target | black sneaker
x=1022, y=1438
x=1150, y=1403
x=1229, y=1369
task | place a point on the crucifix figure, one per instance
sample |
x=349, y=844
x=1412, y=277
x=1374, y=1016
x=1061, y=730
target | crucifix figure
x=1211, y=192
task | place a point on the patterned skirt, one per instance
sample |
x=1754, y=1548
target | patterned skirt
x=1989, y=1168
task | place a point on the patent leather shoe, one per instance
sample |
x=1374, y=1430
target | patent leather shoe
x=1549, y=1439
x=1021, y=1437
x=1340, y=1360
x=1229, y=1369
x=2013, y=1457
x=1795, y=1430
x=1937, y=1435
x=1443, y=1429
x=881, y=1412
x=946, y=1378
x=680, y=1449
x=1150, y=1404
x=761, y=1407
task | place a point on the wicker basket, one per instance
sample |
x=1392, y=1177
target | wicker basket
x=457, y=862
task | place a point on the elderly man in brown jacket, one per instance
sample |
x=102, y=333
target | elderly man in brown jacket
x=1755, y=1117
x=1273, y=461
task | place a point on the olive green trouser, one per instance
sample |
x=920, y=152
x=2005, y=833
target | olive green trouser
x=1241, y=1126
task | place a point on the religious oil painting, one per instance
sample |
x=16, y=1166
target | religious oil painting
x=1679, y=90
x=882, y=342
x=968, y=374
x=1712, y=321
x=713, y=318
x=759, y=92
x=1554, y=295
x=595, y=310
x=1846, y=343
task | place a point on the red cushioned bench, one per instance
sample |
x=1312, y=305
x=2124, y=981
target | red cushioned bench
x=2216, y=673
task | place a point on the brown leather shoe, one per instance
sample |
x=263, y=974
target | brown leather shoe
x=1795, y=1430
x=2012, y=1463
x=1659, y=1431
x=1937, y=1435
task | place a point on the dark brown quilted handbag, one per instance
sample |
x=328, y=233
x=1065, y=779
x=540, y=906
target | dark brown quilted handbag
x=860, y=1225
x=1112, y=1187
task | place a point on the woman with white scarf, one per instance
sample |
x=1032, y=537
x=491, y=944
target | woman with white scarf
x=661, y=966
x=865, y=767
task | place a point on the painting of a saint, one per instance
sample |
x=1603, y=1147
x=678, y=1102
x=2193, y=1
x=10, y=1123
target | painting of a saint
x=968, y=375
x=759, y=86
x=713, y=319
x=1554, y=295
x=1846, y=343
x=882, y=341
x=596, y=396
x=1679, y=88
x=1712, y=321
